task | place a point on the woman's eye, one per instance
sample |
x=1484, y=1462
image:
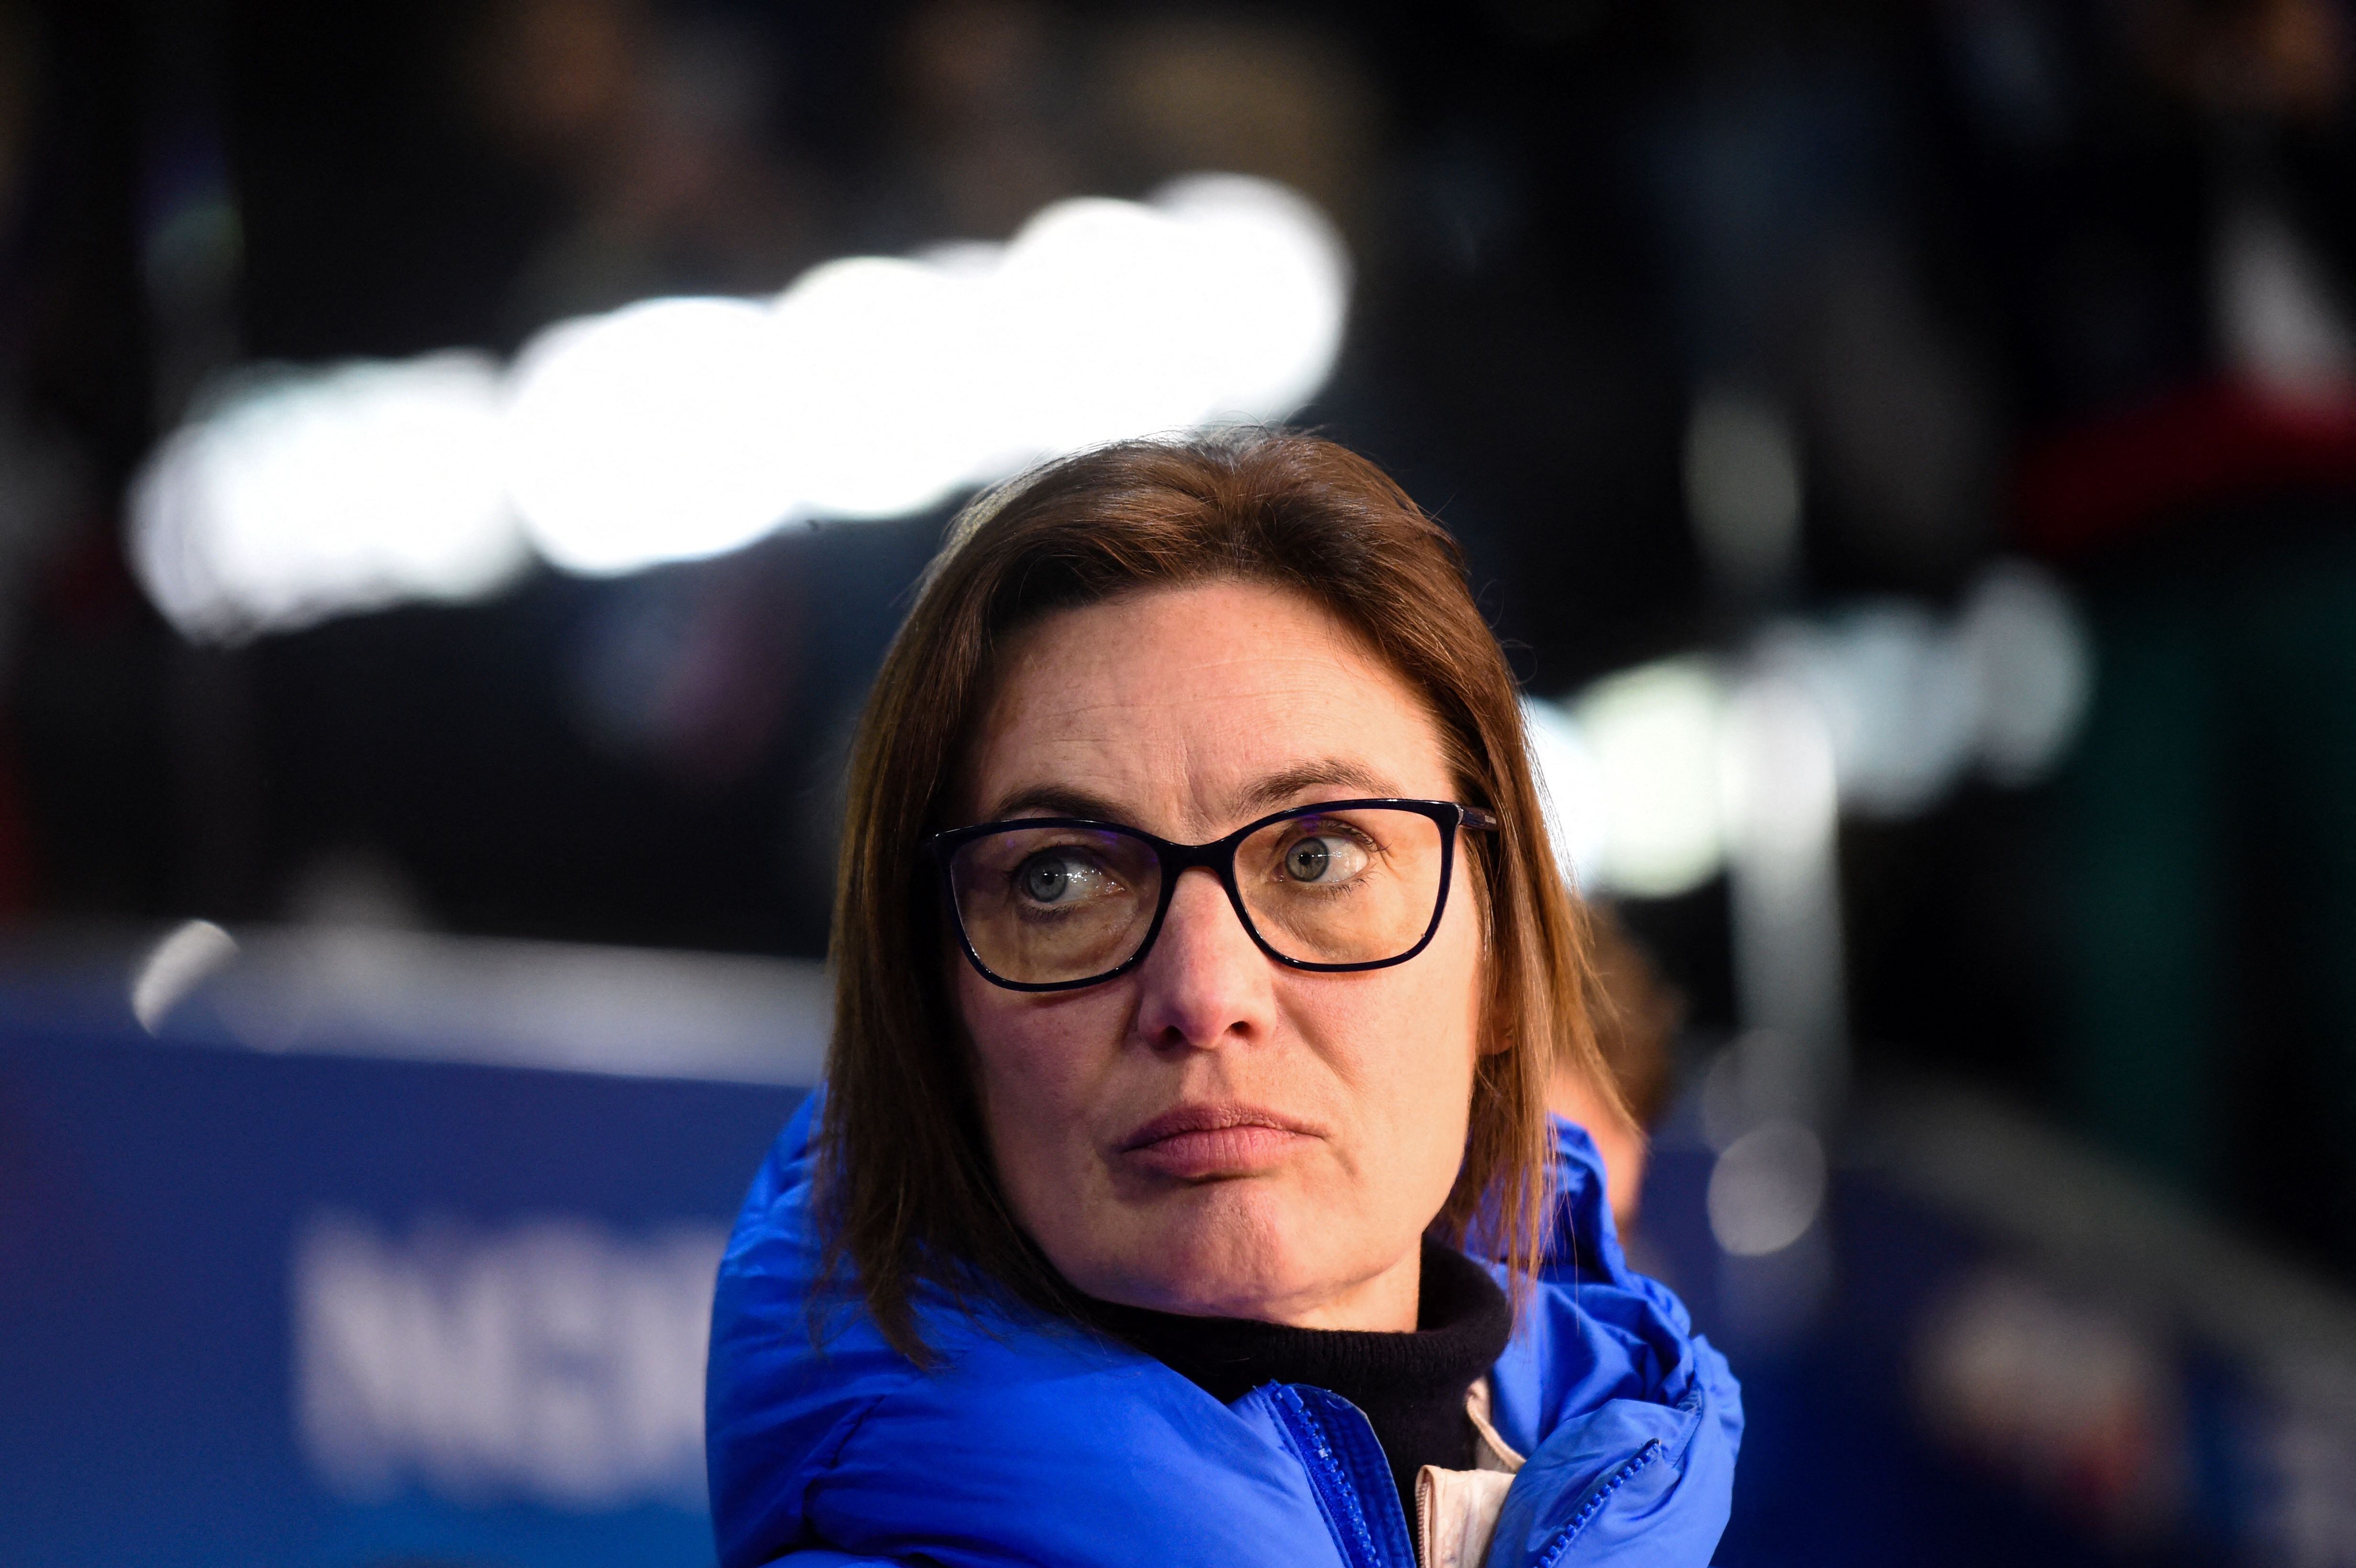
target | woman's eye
x=1057, y=878
x=1324, y=857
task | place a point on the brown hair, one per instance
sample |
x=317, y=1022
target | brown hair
x=908, y=1193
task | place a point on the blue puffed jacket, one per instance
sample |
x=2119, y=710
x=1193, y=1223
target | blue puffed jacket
x=1034, y=1443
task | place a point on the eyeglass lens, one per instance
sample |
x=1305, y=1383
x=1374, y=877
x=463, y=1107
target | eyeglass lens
x=1055, y=905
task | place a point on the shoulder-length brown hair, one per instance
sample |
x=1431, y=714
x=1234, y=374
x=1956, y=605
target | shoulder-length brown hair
x=908, y=1193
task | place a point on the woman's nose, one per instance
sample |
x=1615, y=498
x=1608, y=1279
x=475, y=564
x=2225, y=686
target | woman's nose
x=1205, y=982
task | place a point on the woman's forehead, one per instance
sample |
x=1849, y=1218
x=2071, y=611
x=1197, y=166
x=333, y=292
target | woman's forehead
x=1198, y=705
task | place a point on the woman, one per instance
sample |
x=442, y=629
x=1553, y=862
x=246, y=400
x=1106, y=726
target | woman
x=1200, y=974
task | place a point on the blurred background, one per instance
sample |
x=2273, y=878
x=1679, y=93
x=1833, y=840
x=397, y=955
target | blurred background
x=461, y=461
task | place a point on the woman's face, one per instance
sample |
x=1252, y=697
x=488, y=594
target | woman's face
x=1328, y=1111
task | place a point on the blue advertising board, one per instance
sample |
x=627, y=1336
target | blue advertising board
x=368, y=1249
x=348, y=1302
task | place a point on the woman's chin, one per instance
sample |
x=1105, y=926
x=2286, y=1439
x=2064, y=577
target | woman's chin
x=1227, y=1254
x=1268, y=1300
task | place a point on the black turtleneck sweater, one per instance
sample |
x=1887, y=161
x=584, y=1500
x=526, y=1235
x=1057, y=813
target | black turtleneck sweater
x=1410, y=1385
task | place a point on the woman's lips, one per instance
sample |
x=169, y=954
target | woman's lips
x=1197, y=1143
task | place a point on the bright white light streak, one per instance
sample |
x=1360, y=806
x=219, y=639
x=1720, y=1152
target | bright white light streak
x=1880, y=709
x=1273, y=279
x=306, y=495
x=1655, y=732
x=1570, y=780
x=877, y=387
x=674, y=429
x=894, y=413
x=175, y=967
x=1896, y=696
x=1782, y=810
x=2033, y=665
x=1094, y=303
x=648, y=435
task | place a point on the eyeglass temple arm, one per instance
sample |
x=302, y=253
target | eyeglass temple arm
x=1476, y=818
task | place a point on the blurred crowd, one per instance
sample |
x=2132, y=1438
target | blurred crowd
x=1684, y=317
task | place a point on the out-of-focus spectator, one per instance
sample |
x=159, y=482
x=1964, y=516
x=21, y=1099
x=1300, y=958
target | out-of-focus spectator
x=1003, y=106
x=986, y=118
x=1636, y=1016
x=658, y=130
x=2154, y=200
x=1180, y=92
x=43, y=478
x=1810, y=326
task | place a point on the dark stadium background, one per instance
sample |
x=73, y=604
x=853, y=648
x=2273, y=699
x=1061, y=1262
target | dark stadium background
x=521, y=896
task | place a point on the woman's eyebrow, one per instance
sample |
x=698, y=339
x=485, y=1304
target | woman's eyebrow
x=1054, y=800
x=1327, y=773
x=1268, y=793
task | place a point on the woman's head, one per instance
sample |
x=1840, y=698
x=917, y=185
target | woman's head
x=1185, y=640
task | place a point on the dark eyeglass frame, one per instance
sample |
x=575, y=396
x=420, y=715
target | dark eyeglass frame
x=1218, y=856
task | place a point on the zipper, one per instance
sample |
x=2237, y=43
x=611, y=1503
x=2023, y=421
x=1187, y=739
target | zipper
x=1644, y=1457
x=1336, y=1445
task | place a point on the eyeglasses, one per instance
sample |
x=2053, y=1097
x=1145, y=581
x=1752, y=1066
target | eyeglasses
x=1052, y=903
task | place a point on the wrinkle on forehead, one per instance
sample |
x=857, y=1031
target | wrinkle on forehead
x=1114, y=701
x=1332, y=776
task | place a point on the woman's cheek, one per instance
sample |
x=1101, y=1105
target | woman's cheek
x=1039, y=1069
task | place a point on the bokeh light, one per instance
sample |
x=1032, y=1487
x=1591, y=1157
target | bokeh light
x=675, y=429
x=305, y=495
